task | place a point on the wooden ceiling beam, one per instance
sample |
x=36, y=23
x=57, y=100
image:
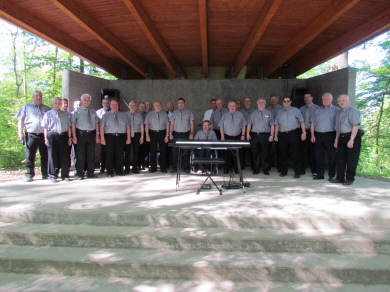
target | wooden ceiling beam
x=29, y=22
x=310, y=32
x=373, y=27
x=267, y=13
x=203, y=36
x=153, y=35
x=74, y=11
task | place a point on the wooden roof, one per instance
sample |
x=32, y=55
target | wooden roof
x=199, y=38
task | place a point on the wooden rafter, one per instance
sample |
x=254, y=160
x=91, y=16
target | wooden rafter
x=203, y=36
x=369, y=29
x=153, y=35
x=267, y=13
x=305, y=36
x=31, y=23
x=73, y=10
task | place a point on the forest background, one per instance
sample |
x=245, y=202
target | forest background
x=28, y=63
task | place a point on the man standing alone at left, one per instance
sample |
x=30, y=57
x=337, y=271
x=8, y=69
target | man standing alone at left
x=30, y=131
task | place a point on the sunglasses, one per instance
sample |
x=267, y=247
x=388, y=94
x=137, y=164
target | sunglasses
x=286, y=100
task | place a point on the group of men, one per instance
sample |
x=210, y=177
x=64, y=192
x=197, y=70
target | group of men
x=129, y=138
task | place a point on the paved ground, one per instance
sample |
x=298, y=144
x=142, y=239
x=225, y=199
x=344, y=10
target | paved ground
x=333, y=206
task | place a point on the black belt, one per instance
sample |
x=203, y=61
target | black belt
x=324, y=132
x=115, y=134
x=61, y=134
x=38, y=134
x=286, y=132
x=181, y=132
x=157, y=131
x=259, y=133
x=86, y=131
x=345, y=134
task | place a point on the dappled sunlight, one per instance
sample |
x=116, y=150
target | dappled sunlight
x=104, y=257
x=95, y=205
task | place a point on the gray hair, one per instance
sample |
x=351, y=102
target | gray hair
x=345, y=95
x=327, y=93
x=86, y=95
x=54, y=98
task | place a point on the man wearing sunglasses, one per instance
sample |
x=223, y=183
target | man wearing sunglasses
x=290, y=129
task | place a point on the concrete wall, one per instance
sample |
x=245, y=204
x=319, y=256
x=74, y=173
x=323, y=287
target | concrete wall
x=338, y=82
x=198, y=93
x=74, y=84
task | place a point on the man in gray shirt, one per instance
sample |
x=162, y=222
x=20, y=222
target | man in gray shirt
x=289, y=131
x=246, y=152
x=274, y=108
x=307, y=148
x=260, y=132
x=156, y=132
x=30, y=132
x=347, y=141
x=323, y=134
x=137, y=138
x=58, y=138
x=144, y=149
x=85, y=135
x=216, y=116
x=115, y=134
x=232, y=127
x=181, y=127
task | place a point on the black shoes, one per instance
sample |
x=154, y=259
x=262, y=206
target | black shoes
x=282, y=174
x=266, y=172
x=317, y=177
x=297, y=176
x=348, y=183
x=173, y=171
x=336, y=181
x=152, y=170
x=135, y=171
x=163, y=170
x=255, y=172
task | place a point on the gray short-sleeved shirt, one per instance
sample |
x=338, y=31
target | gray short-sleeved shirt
x=111, y=126
x=324, y=118
x=289, y=119
x=261, y=121
x=247, y=113
x=157, y=121
x=232, y=123
x=216, y=117
x=81, y=119
x=32, y=116
x=136, y=121
x=307, y=112
x=275, y=109
x=202, y=135
x=347, y=118
x=182, y=119
x=101, y=112
x=56, y=121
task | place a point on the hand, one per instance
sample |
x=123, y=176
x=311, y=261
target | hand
x=303, y=137
x=47, y=143
x=242, y=137
x=21, y=136
x=248, y=137
x=276, y=139
x=69, y=141
x=191, y=137
x=271, y=138
x=171, y=137
x=141, y=140
x=103, y=141
x=350, y=143
x=313, y=139
x=147, y=139
x=335, y=143
x=166, y=139
x=74, y=140
x=128, y=141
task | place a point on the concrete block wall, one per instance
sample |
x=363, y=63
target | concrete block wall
x=198, y=93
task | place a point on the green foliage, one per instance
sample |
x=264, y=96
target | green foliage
x=30, y=64
x=318, y=70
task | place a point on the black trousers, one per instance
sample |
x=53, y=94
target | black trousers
x=115, y=147
x=85, y=152
x=230, y=158
x=33, y=143
x=157, y=139
x=185, y=153
x=274, y=156
x=103, y=157
x=58, y=152
x=347, y=158
x=260, y=150
x=144, y=151
x=134, y=147
x=307, y=153
x=290, y=142
x=325, y=145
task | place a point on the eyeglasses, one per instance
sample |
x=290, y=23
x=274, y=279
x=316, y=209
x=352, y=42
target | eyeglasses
x=286, y=100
